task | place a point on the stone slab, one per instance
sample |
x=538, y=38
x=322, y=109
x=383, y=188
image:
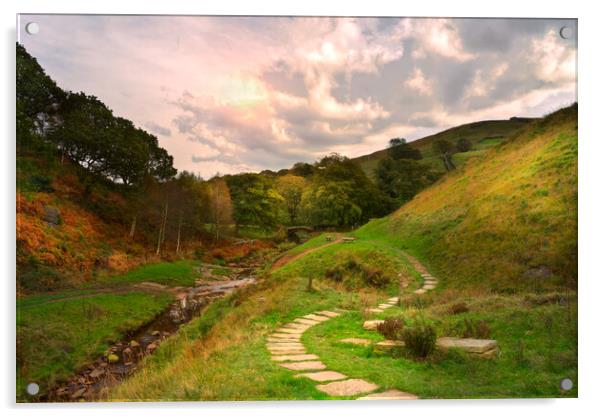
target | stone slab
x=428, y=286
x=375, y=310
x=316, y=317
x=357, y=341
x=299, y=326
x=303, y=366
x=282, y=340
x=467, y=345
x=393, y=299
x=306, y=321
x=286, y=336
x=327, y=313
x=420, y=291
x=384, y=306
x=291, y=331
x=391, y=394
x=387, y=345
x=372, y=324
x=295, y=358
x=279, y=352
x=347, y=388
x=285, y=345
x=323, y=376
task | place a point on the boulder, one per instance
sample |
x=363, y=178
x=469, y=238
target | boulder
x=372, y=324
x=481, y=348
x=52, y=215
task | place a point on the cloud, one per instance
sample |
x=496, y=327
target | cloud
x=229, y=94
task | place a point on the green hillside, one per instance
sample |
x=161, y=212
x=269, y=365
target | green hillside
x=483, y=135
x=506, y=220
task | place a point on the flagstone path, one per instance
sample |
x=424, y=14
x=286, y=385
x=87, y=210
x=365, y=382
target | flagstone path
x=287, y=350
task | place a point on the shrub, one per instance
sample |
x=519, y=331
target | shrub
x=391, y=328
x=351, y=271
x=458, y=308
x=420, y=339
x=418, y=301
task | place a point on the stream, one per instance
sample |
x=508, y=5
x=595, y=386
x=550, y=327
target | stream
x=122, y=358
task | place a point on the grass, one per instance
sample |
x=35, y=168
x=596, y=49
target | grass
x=538, y=350
x=179, y=273
x=57, y=337
x=506, y=221
x=483, y=135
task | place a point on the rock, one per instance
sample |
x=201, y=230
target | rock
x=322, y=376
x=348, y=387
x=156, y=333
x=134, y=344
x=385, y=306
x=387, y=345
x=315, y=317
x=97, y=373
x=327, y=313
x=112, y=358
x=372, y=324
x=52, y=215
x=152, y=346
x=374, y=310
x=420, y=291
x=482, y=348
x=357, y=341
x=285, y=358
x=291, y=331
x=288, y=351
x=306, y=321
x=392, y=394
x=303, y=366
x=78, y=393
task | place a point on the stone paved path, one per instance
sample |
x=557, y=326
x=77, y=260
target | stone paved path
x=288, y=351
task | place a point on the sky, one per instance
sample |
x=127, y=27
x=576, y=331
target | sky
x=236, y=94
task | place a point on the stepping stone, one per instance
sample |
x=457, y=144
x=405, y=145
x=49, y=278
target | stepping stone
x=285, y=345
x=428, y=286
x=286, y=358
x=282, y=352
x=285, y=336
x=375, y=310
x=291, y=331
x=387, y=345
x=347, y=388
x=372, y=324
x=357, y=341
x=316, y=317
x=391, y=394
x=276, y=340
x=384, y=306
x=328, y=313
x=483, y=348
x=420, y=291
x=323, y=376
x=305, y=321
x=303, y=366
x=296, y=326
x=393, y=300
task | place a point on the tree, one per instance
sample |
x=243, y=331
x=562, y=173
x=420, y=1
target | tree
x=330, y=203
x=302, y=169
x=220, y=206
x=403, y=179
x=445, y=150
x=291, y=188
x=254, y=199
x=463, y=145
x=400, y=149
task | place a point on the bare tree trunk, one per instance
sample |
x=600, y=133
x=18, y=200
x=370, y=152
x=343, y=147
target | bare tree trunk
x=133, y=228
x=179, y=233
x=162, y=230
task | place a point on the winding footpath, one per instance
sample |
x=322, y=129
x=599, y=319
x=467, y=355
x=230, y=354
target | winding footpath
x=289, y=352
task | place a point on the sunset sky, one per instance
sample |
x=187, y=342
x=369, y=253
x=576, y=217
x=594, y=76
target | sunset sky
x=232, y=94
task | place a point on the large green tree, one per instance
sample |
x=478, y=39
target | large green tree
x=255, y=200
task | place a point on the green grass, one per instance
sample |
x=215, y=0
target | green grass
x=483, y=135
x=56, y=338
x=179, y=273
x=538, y=349
x=502, y=217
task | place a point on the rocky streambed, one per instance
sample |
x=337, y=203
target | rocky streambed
x=122, y=358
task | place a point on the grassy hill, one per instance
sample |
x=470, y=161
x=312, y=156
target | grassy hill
x=499, y=233
x=507, y=220
x=483, y=135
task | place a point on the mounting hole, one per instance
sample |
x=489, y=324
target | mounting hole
x=32, y=28
x=566, y=384
x=33, y=388
x=566, y=32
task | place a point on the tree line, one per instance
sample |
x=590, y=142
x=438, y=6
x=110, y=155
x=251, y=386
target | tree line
x=161, y=207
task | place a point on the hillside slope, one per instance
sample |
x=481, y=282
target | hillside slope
x=483, y=135
x=506, y=221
